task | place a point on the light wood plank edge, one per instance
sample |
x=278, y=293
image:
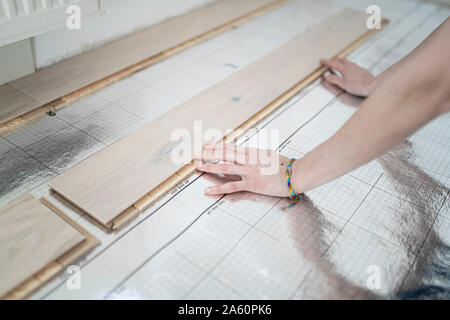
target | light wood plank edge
x=33, y=283
x=186, y=171
x=69, y=204
x=70, y=98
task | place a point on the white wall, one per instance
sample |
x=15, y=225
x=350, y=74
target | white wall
x=121, y=18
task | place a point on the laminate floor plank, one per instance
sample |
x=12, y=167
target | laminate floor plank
x=31, y=237
x=82, y=70
x=113, y=179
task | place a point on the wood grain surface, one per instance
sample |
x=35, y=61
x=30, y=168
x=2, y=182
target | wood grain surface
x=110, y=181
x=31, y=237
x=70, y=76
x=14, y=102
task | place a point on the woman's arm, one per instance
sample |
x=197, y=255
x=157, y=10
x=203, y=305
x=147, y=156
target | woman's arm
x=404, y=98
x=407, y=96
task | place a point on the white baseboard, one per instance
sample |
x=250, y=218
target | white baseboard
x=16, y=60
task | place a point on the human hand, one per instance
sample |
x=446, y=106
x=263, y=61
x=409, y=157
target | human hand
x=355, y=80
x=343, y=96
x=255, y=170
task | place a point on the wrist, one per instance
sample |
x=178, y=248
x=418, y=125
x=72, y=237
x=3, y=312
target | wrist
x=292, y=192
x=295, y=178
x=299, y=179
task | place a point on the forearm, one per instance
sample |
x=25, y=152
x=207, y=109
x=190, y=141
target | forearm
x=378, y=80
x=404, y=98
x=436, y=43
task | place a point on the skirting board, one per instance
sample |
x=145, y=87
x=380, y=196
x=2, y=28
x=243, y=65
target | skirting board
x=57, y=86
x=145, y=170
x=34, y=282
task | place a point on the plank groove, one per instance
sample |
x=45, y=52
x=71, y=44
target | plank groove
x=117, y=177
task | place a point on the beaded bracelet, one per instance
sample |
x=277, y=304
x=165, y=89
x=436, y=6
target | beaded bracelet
x=296, y=196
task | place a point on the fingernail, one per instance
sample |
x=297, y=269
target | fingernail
x=207, y=190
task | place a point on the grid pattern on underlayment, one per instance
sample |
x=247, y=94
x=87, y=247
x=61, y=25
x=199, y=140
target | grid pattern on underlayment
x=249, y=246
x=246, y=248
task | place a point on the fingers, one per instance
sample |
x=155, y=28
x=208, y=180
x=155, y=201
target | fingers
x=334, y=79
x=221, y=155
x=226, y=146
x=336, y=64
x=229, y=187
x=223, y=152
x=232, y=177
x=222, y=168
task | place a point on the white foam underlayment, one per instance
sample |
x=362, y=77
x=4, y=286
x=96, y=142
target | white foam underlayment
x=190, y=246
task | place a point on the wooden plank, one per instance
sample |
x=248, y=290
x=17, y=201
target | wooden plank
x=61, y=78
x=34, y=282
x=65, y=82
x=115, y=178
x=79, y=250
x=31, y=237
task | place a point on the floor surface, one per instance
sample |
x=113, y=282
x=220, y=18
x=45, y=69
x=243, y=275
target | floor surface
x=380, y=231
